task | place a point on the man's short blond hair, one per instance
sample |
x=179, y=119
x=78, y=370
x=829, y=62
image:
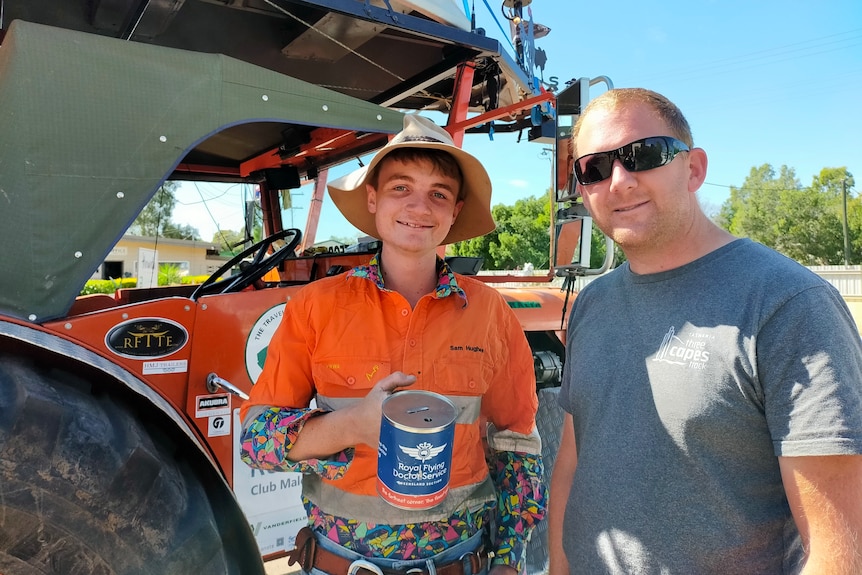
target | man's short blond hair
x=618, y=98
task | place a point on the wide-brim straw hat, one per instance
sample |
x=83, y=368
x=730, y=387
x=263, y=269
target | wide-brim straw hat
x=350, y=197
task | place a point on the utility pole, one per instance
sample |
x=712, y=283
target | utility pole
x=846, y=237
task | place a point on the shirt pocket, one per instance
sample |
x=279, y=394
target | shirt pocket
x=349, y=377
x=461, y=377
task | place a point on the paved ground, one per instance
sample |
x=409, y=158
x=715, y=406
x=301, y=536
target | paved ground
x=280, y=567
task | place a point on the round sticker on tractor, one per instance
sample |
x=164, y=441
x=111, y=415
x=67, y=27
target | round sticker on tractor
x=146, y=338
x=259, y=338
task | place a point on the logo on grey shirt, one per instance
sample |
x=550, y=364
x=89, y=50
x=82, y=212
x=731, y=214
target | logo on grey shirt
x=689, y=350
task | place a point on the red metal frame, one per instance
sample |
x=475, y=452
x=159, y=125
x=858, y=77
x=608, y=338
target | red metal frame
x=458, y=123
x=461, y=101
x=501, y=112
x=269, y=205
x=314, y=207
x=326, y=143
x=325, y=140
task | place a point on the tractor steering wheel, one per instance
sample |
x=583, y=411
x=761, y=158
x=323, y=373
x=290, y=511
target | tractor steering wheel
x=252, y=271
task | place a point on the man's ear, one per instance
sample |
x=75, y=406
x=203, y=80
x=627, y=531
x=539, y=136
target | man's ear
x=371, y=198
x=697, y=162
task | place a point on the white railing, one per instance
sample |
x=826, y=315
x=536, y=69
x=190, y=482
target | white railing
x=846, y=279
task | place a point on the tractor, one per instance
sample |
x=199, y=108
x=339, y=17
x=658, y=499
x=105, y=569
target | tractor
x=119, y=413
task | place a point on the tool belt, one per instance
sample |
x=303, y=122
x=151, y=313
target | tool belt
x=310, y=556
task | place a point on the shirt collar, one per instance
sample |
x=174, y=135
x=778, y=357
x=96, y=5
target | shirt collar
x=447, y=283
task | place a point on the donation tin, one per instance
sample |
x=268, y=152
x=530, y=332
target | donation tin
x=415, y=449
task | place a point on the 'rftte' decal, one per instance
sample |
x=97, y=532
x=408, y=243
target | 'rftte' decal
x=146, y=338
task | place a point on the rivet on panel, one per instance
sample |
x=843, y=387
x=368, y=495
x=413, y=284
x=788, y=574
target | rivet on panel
x=379, y=117
x=325, y=108
x=163, y=138
x=204, y=306
x=125, y=316
x=32, y=317
x=121, y=195
x=68, y=325
x=78, y=254
x=265, y=98
x=187, y=308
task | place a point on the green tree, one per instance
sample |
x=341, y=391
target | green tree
x=181, y=231
x=750, y=210
x=155, y=219
x=229, y=241
x=169, y=274
x=598, y=249
x=830, y=184
x=522, y=236
x=805, y=224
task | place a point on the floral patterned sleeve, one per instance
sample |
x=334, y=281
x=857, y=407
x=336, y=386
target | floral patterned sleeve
x=521, y=503
x=267, y=440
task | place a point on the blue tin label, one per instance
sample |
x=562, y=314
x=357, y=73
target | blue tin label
x=414, y=454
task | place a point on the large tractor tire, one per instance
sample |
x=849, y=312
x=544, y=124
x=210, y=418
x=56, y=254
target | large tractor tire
x=90, y=486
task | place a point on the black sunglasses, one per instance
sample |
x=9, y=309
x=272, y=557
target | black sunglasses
x=646, y=154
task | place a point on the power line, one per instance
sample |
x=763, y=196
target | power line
x=762, y=57
x=204, y=200
x=831, y=86
x=218, y=229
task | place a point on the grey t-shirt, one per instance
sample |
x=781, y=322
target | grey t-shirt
x=684, y=386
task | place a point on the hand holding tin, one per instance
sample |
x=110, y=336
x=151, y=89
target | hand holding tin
x=334, y=431
x=369, y=411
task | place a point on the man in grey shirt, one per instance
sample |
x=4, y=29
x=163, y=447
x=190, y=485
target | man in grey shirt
x=713, y=387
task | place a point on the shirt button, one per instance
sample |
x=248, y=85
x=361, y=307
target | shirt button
x=412, y=343
x=351, y=380
x=404, y=312
x=472, y=384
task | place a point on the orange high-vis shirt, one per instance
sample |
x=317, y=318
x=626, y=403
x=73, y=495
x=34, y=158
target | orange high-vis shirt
x=339, y=336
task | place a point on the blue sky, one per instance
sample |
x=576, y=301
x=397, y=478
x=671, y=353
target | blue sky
x=760, y=81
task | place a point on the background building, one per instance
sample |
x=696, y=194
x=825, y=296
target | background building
x=192, y=257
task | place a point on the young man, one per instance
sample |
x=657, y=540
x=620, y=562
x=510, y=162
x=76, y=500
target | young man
x=713, y=387
x=404, y=320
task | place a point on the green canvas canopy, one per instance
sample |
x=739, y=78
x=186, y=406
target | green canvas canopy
x=91, y=126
